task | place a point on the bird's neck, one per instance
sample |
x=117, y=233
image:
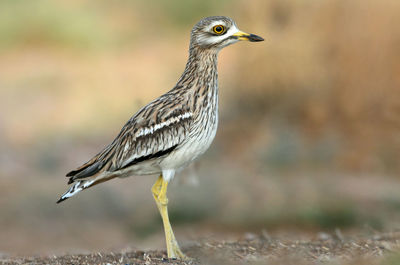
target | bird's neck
x=201, y=69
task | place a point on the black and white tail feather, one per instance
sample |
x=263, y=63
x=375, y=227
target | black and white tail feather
x=84, y=184
x=74, y=189
x=83, y=179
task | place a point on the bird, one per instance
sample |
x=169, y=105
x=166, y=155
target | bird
x=171, y=131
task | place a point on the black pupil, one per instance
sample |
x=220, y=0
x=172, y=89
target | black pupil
x=218, y=29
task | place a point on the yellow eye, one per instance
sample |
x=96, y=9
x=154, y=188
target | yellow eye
x=219, y=29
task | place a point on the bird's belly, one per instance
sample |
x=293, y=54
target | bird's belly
x=195, y=146
x=149, y=167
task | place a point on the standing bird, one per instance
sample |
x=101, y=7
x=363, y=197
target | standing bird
x=172, y=130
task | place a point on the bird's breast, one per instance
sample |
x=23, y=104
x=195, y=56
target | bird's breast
x=201, y=132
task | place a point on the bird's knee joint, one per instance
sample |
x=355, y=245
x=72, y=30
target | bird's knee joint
x=155, y=192
x=163, y=200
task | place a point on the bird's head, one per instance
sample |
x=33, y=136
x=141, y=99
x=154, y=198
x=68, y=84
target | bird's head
x=218, y=32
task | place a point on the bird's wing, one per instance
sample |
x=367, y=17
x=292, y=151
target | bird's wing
x=154, y=131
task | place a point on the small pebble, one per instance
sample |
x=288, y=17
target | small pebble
x=249, y=236
x=323, y=236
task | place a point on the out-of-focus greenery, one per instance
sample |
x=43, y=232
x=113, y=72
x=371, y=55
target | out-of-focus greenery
x=86, y=24
x=392, y=259
x=49, y=23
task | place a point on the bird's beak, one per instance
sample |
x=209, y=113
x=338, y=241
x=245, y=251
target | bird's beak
x=240, y=35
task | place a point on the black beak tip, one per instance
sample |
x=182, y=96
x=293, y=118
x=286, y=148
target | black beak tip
x=255, y=38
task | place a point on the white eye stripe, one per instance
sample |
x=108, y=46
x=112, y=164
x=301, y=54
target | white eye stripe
x=207, y=36
x=232, y=30
x=216, y=39
x=215, y=23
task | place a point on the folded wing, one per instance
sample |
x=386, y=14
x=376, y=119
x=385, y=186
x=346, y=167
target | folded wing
x=156, y=130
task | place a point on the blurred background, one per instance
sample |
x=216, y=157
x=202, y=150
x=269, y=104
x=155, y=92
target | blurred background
x=309, y=136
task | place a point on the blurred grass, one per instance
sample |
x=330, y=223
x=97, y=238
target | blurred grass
x=183, y=12
x=393, y=259
x=89, y=25
x=324, y=217
x=25, y=24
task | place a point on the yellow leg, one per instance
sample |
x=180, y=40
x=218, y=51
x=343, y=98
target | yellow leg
x=159, y=191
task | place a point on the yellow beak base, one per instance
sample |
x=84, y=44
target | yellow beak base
x=240, y=35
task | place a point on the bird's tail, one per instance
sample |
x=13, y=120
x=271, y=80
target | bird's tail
x=82, y=185
x=75, y=188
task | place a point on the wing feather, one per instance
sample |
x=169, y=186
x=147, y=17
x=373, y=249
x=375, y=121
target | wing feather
x=154, y=131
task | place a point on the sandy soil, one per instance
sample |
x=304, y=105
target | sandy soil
x=254, y=249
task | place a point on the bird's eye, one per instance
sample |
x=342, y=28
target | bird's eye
x=219, y=29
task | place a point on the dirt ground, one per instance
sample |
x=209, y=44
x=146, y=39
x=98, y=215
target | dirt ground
x=253, y=249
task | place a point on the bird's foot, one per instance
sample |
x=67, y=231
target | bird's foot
x=174, y=252
x=178, y=255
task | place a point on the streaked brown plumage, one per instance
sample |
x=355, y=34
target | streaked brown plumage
x=174, y=129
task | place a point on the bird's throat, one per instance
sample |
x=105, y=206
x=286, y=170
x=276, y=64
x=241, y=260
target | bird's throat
x=201, y=69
